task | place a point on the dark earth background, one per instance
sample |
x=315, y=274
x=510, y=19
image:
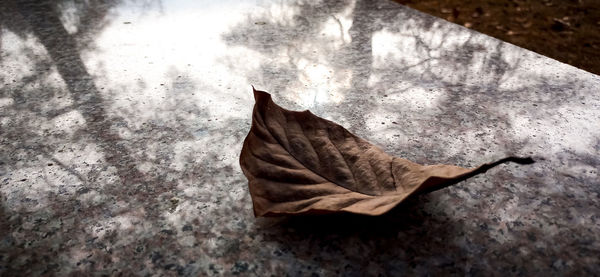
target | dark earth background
x=565, y=30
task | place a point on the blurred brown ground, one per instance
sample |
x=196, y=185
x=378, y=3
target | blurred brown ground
x=566, y=30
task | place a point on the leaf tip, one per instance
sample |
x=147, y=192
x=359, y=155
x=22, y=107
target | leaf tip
x=259, y=94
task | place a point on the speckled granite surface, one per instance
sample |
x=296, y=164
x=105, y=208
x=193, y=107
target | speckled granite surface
x=121, y=124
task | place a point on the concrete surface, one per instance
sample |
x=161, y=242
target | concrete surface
x=121, y=123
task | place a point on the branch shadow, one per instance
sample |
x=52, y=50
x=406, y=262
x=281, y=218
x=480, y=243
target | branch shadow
x=64, y=220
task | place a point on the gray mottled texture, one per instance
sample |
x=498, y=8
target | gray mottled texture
x=121, y=124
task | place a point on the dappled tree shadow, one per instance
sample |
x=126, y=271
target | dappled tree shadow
x=84, y=167
x=94, y=179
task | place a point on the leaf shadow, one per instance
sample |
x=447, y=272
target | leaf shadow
x=393, y=242
x=407, y=215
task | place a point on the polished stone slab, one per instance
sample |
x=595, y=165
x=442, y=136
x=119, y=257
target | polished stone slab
x=121, y=123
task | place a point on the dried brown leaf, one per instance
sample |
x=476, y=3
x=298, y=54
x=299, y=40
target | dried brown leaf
x=299, y=163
